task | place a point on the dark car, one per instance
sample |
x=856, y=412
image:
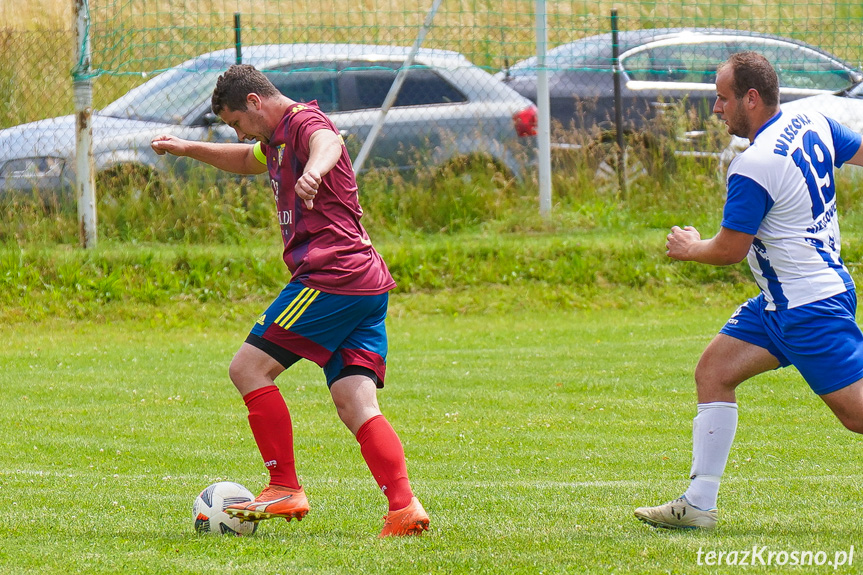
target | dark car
x=447, y=108
x=659, y=67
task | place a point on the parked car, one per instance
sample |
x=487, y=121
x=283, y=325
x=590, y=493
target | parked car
x=659, y=67
x=446, y=108
x=844, y=106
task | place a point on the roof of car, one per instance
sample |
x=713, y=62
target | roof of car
x=268, y=54
x=630, y=39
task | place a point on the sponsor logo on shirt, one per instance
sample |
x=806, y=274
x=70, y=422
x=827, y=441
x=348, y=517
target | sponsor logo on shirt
x=787, y=136
x=824, y=221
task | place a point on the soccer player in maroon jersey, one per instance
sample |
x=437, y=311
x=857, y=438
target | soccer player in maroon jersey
x=332, y=311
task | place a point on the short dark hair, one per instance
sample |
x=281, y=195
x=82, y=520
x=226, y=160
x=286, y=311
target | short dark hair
x=233, y=87
x=752, y=71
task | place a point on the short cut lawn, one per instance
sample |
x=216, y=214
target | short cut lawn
x=530, y=436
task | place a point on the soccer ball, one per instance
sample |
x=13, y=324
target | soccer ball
x=209, y=515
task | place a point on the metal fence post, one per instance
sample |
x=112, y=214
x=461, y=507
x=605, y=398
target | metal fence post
x=85, y=182
x=618, y=106
x=238, y=43
x=543, y=131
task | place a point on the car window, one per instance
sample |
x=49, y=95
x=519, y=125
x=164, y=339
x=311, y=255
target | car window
x=370, y=83
x=798, y=67
x=168, y=98
x=677, y=63
x=657, y=66
x=424, y=86
x=304, y=83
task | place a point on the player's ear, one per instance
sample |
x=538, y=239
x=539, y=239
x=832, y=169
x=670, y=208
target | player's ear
x=752, y=97
x=254, y=101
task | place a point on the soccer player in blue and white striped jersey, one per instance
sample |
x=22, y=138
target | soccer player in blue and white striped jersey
x=780, y=214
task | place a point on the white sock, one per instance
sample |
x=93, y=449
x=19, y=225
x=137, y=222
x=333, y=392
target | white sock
x=712, y=435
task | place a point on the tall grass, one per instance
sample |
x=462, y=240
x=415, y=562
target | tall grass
x=449, y=236
x=466, y=194
x=664, y=186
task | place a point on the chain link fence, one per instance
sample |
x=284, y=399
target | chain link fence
x=469, y=92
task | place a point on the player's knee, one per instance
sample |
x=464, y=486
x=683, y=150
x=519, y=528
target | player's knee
x=853, y=423
x=702, y=377
x=353, y=415
x=239, y=372
x=712, y=385
x=706, y=380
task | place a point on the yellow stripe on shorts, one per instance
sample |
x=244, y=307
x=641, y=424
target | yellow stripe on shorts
x=296, y=308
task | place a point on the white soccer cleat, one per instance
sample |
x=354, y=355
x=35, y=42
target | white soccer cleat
x=678, y=514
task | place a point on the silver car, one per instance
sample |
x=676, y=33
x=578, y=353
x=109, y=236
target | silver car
x=446, y=108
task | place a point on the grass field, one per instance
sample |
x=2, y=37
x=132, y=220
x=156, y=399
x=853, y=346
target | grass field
x=530, y=437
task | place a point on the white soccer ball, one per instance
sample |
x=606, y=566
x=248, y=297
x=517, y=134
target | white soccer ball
x=209, y=515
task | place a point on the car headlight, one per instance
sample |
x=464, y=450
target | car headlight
x=33, y=168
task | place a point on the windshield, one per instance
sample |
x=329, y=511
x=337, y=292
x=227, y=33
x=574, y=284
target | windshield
x=170, y=96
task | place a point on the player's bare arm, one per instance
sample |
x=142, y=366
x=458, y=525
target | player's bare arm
x=235, y=158
x=725, y=248
x=325, y=148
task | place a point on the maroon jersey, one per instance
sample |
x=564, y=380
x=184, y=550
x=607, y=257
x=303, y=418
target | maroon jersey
x=326, y=248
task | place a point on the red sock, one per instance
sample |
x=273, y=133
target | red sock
x=271, y=425
x=385, y=457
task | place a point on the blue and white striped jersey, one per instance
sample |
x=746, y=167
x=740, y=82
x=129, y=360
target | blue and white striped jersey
x=782, y=190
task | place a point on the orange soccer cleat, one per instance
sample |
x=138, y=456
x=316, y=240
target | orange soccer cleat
x=274, y=501
x=412, y=520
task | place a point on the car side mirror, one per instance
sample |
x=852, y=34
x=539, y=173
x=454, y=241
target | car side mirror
x=211, y=119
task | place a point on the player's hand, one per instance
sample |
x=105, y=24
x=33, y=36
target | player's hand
x=679, y=241
x=307, y=187
x=162, y=144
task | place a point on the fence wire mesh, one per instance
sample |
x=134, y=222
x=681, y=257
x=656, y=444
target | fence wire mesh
x=470, y=92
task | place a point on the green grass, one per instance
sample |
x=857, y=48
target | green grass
x=530, y=437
